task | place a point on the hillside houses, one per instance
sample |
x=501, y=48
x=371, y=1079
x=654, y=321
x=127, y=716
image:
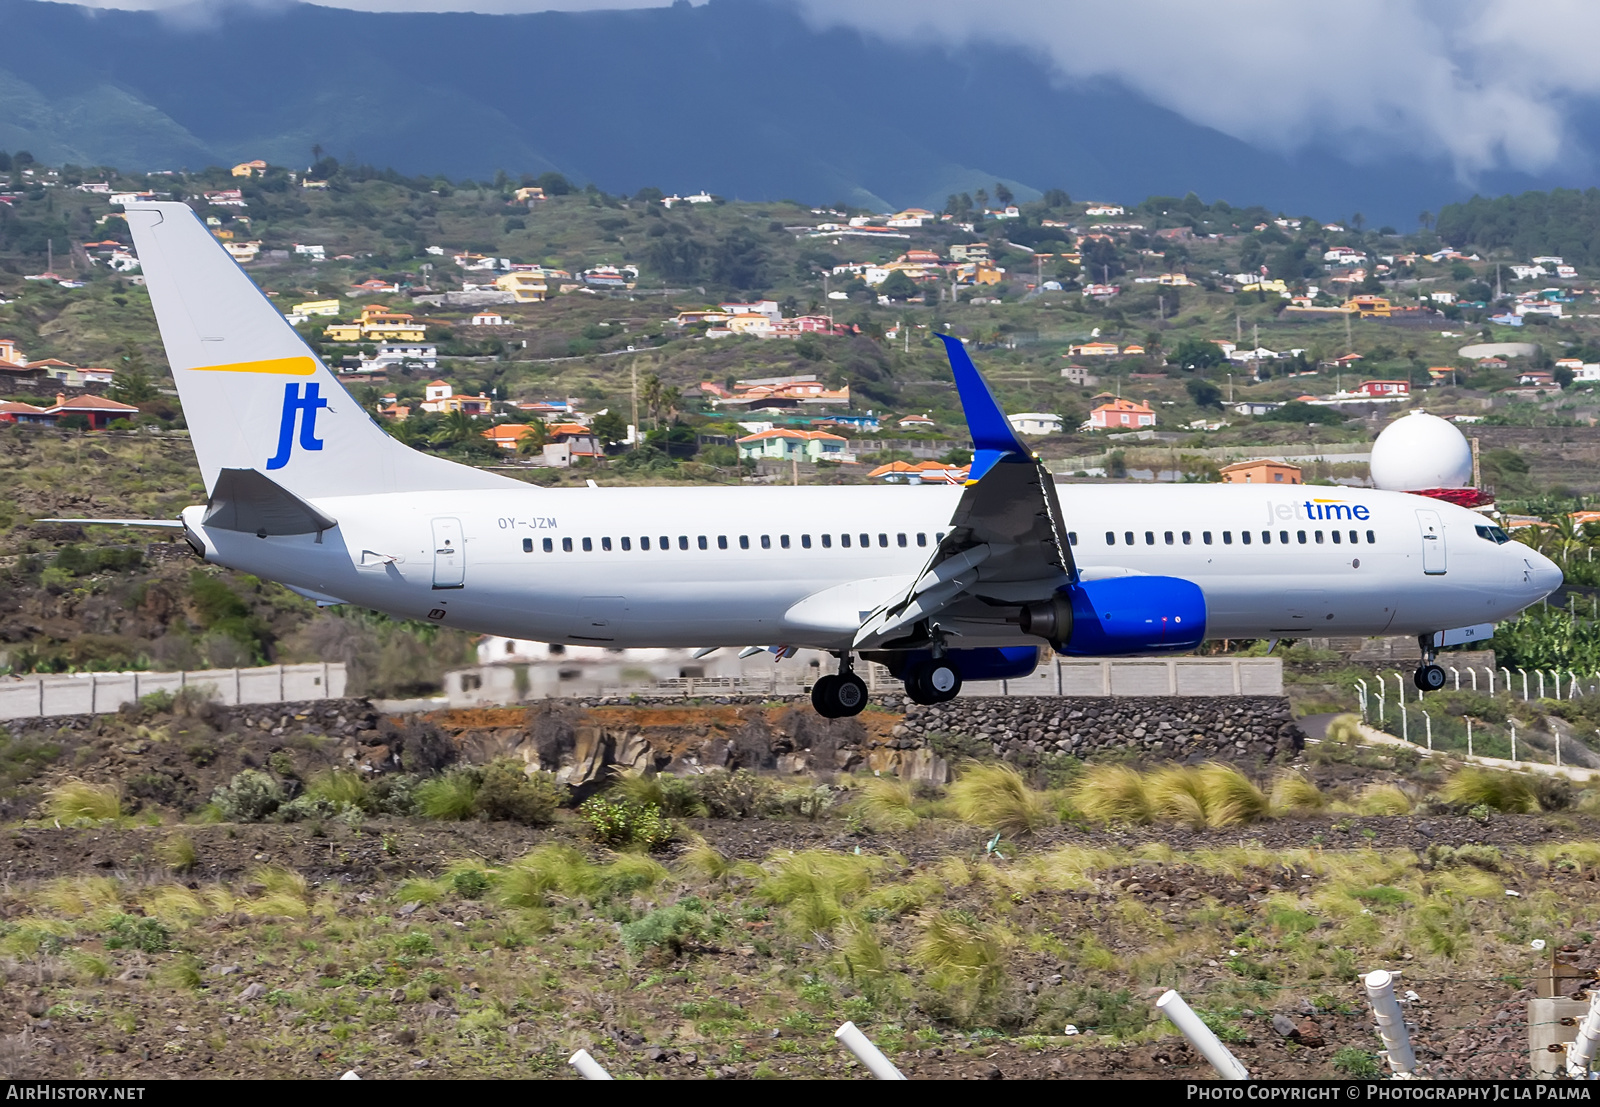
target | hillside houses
x=377, y=323
x=776, y=394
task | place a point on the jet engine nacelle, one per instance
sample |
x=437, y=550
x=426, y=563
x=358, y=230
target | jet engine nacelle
x=1120, y=615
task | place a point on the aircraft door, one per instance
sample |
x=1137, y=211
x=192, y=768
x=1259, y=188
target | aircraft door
x=449, y=554
x=1433, y=551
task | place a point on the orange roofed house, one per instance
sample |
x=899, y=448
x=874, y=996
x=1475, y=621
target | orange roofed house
x=1120, y=415
x=1261, y=471
x=99, y=412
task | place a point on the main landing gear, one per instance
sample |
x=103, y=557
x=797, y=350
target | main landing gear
x=841, y=696
x=934, y=680
x=1429, y=676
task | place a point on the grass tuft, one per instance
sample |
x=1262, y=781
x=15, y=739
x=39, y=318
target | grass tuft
x=1383, y=799
x=78, y=801
x=1293, y=793
x=452, y=796
x=342, y=788
x=179, y=854
x=996, y=797
x=1472, y=786
x=1113, y=794
x=885, y=803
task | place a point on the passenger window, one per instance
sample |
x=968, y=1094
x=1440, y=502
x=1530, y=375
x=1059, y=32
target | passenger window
x=1072, y=538
x=744, y=541
x=827, y=541
x=1127, y=537
x=1335, y=537
x=1355, y=537
x=883, y=540
x=549, y=546
x=1227, y=538
x=939, y=537
x=1205, y=536
x=1244, y=536
x=844, y=540
x=1318, y=537
x=566, y=545
x=922, y=539
x=1372, y=539
x=1300, y=536
x=1266, y=538
x=627, y=543
x=701, y=542
x=900, y=540
x=783, y=540
x=644, y=542
x=666, y=543
x=722, y=541
x=683, y=541
x=1168, y=537
x=1111, y=538
x=527, y=545
x=805, y=541
x=588, y=545
x=1149, y=538
x=1283, y=536
x=605, y=544
x=766, y=541
x=1188, y=539
x=866, y=540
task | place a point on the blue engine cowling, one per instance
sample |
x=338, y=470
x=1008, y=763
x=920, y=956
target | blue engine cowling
x=1119, y=616
x=987, y=663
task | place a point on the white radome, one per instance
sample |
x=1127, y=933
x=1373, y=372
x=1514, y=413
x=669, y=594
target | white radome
x=1420, y=451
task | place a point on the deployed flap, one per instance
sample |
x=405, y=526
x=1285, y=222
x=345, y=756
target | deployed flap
x=1007, y=545
x=248, y=501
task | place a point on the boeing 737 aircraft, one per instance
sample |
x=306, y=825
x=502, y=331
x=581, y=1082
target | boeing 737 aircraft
x=941, y=585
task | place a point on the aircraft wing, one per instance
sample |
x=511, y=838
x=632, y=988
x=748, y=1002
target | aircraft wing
x=1006, y=547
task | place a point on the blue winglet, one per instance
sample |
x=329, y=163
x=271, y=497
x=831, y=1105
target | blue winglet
x=992, y=435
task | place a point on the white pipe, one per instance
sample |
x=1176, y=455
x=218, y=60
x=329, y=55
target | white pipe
x=1580, y=1054
x=1469, y=737
x=867, y=1053
x=1200, y=1036
x=1427, y=721
x=1391, y=1022
x=587, y=1066
x=1473, y=673
x=1457, y=673
x=1363, y=687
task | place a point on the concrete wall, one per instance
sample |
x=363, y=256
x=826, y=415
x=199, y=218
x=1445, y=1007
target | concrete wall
x=490, y=685
x=92, y=693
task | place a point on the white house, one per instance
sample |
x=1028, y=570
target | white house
x=769, y=308
x=1442, y=297
x=315, y=253
x=488, y=319
x=1528, y=272
x=404, y=353
x=1035, y=423
x=1104, y=209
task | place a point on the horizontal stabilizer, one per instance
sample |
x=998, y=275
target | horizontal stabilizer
x=252, y=503
x=168, y=524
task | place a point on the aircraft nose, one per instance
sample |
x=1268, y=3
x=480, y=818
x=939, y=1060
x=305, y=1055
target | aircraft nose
x=1543, y=575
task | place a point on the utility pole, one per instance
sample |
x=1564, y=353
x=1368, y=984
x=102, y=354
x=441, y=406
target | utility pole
x=1238, y=330
x=1349, y=342
x=634, y=364
x=1477, y=472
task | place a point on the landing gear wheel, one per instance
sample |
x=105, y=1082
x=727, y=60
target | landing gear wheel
x=849, y=695
x=1428, y=678
x=823, y=697
x=933, y=681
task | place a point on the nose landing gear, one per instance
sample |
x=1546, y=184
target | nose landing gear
x=839, y=696
x=1429, y=676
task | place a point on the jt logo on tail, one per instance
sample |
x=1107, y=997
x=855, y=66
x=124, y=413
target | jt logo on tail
x=294, y=403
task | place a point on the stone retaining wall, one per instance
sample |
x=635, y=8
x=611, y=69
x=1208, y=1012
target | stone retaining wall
x=1236, y=728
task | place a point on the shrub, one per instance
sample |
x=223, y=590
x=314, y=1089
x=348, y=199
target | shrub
x=452, y=796
x=132, y=932
x=249, y=797
x=1344, y=729
x=508, y=791
x=178, y=853
x=997, y=798
x=667, y=929
x=394, y=794
x=736, y=795
x=620, y=824
x=1356, y=1063
x=674, y=797
x=1474, y=787
x=78, y=801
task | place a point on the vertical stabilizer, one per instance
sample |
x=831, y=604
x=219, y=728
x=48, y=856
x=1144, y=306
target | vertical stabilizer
x=254, y=395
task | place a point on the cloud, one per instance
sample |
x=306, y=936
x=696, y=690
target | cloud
x=1487, y=83
x=196, y=10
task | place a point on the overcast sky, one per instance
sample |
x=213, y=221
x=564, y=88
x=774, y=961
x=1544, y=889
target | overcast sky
x=1489, y=84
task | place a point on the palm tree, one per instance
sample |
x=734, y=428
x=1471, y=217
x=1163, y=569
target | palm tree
x=455, y=427
x=532, y=443
x=654, y=394
x=1425, y=219
x=1566, y=538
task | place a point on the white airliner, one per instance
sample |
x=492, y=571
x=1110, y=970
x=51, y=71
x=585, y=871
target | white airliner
x=940, y=584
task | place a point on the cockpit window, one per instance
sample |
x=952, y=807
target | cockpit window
x=1493, y=534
